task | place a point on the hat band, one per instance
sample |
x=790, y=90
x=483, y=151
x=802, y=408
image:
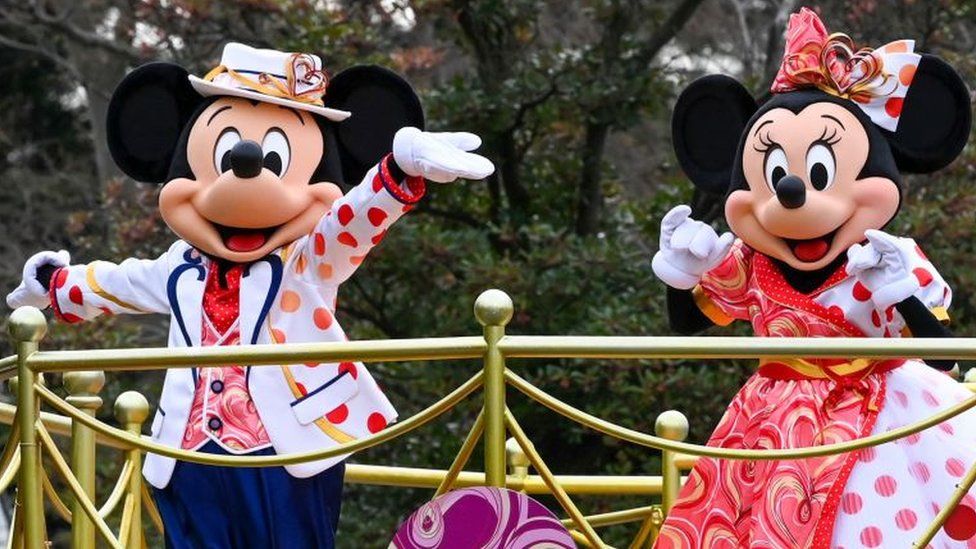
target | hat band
x=314, y=81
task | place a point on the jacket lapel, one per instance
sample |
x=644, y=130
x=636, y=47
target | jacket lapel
x=259, y=287
x=185, y=291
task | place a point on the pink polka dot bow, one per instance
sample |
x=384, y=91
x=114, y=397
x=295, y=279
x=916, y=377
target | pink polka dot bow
x=876, y=80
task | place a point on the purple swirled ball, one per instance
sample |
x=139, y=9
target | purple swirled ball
x=484, y=518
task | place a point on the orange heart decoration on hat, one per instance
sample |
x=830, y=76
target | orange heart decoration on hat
x=304, y=78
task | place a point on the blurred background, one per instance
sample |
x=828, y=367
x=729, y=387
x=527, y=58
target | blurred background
x=573, y=101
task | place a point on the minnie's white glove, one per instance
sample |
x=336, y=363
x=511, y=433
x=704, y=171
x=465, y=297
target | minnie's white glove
x=440, y=157
x=30, y=292
x=689, y=249
x=884, y=268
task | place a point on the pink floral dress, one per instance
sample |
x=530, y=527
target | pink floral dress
x=881, y=497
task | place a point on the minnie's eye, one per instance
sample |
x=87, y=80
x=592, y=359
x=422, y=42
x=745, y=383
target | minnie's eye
x=820, y=166
x=277, y=153
x=776, y=167
x=225, y=143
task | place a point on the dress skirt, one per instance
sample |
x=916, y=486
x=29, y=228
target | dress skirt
x=878, y=497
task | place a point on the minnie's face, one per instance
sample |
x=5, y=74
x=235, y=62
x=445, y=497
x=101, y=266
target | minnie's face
x=252, y=163
x=805, y=204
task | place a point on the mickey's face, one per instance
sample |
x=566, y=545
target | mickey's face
x=252, y=165
x=805, y=203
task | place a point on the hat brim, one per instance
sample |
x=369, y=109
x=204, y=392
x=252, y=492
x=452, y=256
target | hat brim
x=207, y=88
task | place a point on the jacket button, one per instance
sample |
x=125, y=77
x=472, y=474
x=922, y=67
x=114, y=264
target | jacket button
x=215, y=423
x=216, y=386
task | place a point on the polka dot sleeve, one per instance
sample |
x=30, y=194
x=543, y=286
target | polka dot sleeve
x=134, y=286
x=933, y=290
x=357, y=222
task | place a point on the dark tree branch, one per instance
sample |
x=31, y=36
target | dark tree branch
x=590, y=198
x=60, y=22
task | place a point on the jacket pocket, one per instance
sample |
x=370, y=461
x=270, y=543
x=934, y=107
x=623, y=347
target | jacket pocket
x=325, y=398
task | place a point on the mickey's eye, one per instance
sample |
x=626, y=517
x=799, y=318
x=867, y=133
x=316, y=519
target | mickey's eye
x=821, y=166
x=277, y=153
x=776, y=166
x=225, y=143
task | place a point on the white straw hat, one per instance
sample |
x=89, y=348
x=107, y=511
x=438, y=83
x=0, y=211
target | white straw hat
x=293, y=80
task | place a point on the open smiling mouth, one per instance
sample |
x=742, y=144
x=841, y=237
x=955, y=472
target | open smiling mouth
x=243, y=240
x=813, y=249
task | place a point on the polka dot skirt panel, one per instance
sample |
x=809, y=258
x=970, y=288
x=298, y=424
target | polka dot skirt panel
x=896, y=489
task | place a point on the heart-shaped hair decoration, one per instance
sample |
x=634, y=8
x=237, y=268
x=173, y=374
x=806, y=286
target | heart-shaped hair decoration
x=848, y=73
x=813, y=58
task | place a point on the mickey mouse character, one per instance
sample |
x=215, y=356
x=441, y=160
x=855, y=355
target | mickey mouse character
x=250, y=157
x=811, y=178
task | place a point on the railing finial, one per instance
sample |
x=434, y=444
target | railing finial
x=493, y=308
x=83, y=384
x=131, y=408
x=672, y=425
x=27, y=324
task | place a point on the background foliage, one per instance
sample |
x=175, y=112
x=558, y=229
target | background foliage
x=573, y=101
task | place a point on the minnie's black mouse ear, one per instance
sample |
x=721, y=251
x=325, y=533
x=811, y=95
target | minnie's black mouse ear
x=381, y=102
x=707, y=124
x=935, y=119
x=146, y=115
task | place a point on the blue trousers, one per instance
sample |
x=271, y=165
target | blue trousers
x=211, y=507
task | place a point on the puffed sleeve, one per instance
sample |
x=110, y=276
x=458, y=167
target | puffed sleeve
x=723, y=295
x=933, y=291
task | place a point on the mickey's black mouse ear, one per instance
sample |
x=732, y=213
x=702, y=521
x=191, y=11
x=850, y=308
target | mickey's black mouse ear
x=381, y=102
x=935, y=119
x=707, y=124
x=146, y=115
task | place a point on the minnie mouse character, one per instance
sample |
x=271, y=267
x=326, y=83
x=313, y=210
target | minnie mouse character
x=811, y=178
x=251, y=156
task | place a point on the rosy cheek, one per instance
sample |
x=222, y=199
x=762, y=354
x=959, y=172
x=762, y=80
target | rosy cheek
x=877, y=197
x=875, y=201
x=738, y=206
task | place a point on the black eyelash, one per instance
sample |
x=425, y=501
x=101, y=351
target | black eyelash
x=832, y=139
x=767, y=143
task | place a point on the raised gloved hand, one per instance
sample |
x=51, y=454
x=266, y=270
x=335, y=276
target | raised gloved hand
x=884, y=268
x=440, y=157
x=689, y=249
x=30, y=291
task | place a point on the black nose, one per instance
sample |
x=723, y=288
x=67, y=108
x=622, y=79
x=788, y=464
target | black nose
x=790, y=191
x=246, y=159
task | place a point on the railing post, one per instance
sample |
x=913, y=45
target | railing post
x=672, y=425
x=494, y=310
x=83, y=389
x=131, y=410
x=518, y=463
x=27, y=327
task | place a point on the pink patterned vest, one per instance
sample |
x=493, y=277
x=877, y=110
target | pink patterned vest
x=222, y=407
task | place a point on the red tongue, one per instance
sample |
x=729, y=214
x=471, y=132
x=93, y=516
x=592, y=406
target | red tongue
x=246, y=242
x=811, y=250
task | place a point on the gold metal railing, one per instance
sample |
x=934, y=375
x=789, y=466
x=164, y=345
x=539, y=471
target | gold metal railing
x=507, y=460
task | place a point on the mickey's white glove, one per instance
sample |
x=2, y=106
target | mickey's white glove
x=884, y=268
x=689, y=249
x=440, y=157
x=30, y=292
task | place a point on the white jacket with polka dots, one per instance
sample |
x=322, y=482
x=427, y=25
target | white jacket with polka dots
x=287, y=297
